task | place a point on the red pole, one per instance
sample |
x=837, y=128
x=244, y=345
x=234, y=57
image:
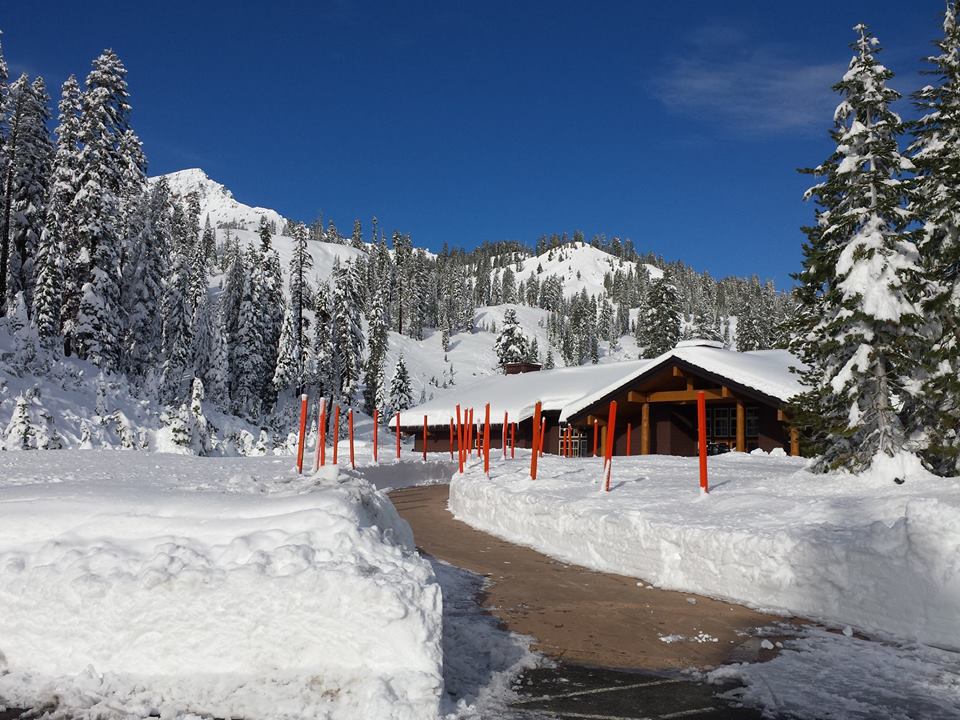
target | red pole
x=533, y=444
x=424, y=438
x=504, y=428
x=611, y=424
x=513, y=440
x=470, y=432
x=451, y=438
x=336, y=433
x=321, y=436
x=303, y=433
x=353, y=464
x=486, y=440
x=596, y=435
x=459, y=440
x=398, y=436
x=702, y=437
x=629, y=429
x=376, y=431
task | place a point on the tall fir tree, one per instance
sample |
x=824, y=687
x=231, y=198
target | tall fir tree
x=511, y=345
x=859, y=326
x=935, y=201
x=401, y=394
x=661, y=322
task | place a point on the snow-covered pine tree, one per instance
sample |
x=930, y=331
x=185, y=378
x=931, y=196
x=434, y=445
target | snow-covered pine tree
x=401, y=395
x=177, y=319
x=323, y=345
x=207, y=349
x=56, y=295
x=288, y=377
x=272, y=306
x=300, y=265
x=104, y=119
x=511, y=345
x=860, y=329
x=935, y=202
x=347, y=332
x=26, y=182
x=247, y=358
x=20, y=433
x=661, y=323
x=374, y=390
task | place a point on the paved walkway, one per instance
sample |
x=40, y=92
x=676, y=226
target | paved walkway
x=580, y=616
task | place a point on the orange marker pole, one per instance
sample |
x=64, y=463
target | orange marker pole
x=376, y=431
x=451, y=438
x=629, y=430
x=535, y=451
x=702, y=438
x=353, y=464
x=302, y=434
x=321, y=436
x=424, y=438
x=486, y=440
x=459, y=440
x=596, y=435
x=513, y=440
x=336, y=433
x=504, y=428
x=398, y=436
x=470, y=432
x=611, y=424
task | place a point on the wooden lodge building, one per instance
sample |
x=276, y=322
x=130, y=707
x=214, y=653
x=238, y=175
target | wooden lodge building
x=745, y=395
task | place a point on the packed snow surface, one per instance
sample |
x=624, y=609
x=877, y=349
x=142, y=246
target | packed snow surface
x=134, y=584
x=857, y=550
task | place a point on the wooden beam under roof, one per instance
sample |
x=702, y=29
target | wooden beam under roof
x=661, y=396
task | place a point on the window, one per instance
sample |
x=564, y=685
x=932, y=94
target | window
x=722, y=422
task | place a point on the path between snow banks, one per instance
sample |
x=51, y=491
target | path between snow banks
x=864, y=551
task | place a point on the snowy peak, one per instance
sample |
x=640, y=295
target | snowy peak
x=581, y=266
x=217, y=202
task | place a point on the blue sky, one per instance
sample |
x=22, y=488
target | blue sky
x=679, y=125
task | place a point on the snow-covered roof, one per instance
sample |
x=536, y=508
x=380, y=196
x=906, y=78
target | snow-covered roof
x=765, y=371
x=518, y=394
x=571, y=390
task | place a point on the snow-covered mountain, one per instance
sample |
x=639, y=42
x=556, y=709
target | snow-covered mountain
x=217, y=202
x=581, y=266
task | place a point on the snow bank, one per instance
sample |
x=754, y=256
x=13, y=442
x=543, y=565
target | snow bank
x=134, y=584
x=862, y=551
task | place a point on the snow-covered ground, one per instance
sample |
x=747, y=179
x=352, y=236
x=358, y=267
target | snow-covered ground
x=860, y=551
x=134, y=583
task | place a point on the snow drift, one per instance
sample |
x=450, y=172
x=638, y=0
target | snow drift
x=861, y=550
x=135, y=584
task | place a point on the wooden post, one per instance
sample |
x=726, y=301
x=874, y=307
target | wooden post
x=645, y=429
x=702, y=438
x=486, y=440
x=629, y=432
x=353, y=463
x=611, y=425
x=741, y=427
x=424, y=438
x=513, y=440
x=459, y=440
x=451, y=438
x=543, y=433
x=302, y=434
x=321, y=436
x=398, y=436
x=535, y=437
x=336, y=433
x=794, y=441
x=596, y=436
x=506, y=421
x=376, y=431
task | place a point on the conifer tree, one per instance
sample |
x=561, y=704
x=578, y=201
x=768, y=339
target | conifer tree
x=300, y=264
x=661, y=323
x=57, y=293
x=374, y=391
x=511, y=345
x=936, y=204
x=401, y=395
x=859, y=324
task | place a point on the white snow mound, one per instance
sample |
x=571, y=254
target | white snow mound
x=135, y=584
